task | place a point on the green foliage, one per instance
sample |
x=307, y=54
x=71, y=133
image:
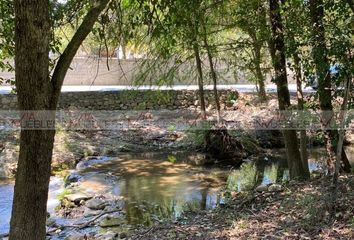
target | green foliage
x=250, y=37
x=299, y=36
x=7, y=42
x=165, y=31
x=244, y=179
x=63, y=194
x=171, y=159
x=232, y=97
x=61, y=14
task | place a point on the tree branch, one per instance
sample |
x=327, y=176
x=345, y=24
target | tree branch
x=70, y=51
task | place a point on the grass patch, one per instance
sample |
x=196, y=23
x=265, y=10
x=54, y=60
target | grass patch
x=64, y=193
x=171, y=159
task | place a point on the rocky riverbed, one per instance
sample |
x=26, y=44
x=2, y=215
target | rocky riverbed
x=119, y=197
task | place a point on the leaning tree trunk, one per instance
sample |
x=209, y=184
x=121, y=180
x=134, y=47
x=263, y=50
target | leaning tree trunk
x=36, y=91
x=277, y=51
x=200, y=79
x=213, y=76
x=319, y=52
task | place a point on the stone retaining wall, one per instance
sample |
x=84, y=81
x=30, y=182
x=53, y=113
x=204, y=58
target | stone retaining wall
x=129, y=99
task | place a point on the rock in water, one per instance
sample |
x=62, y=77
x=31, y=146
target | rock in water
x=71, y=178
x=110, y=221
x=96, y=204
x=77, y=197
x=89, y=213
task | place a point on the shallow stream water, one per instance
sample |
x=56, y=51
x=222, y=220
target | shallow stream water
x=6, y=196
x=158, y=186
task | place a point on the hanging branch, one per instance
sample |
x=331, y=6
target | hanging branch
x=70, y=51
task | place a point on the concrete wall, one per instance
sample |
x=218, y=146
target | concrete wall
x=128, y=100
x=94, y=71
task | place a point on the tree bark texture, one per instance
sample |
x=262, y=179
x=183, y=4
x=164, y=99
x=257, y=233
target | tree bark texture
x=32, y=83
x=319, y=52
x=36, y=91
x=200, y=79
x=259, y=74
x=277, y=51
x=213, y=76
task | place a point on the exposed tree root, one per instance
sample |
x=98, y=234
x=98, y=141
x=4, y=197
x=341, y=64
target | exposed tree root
x=224, y=147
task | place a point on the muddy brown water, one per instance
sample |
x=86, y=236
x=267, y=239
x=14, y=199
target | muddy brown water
x=154, y=186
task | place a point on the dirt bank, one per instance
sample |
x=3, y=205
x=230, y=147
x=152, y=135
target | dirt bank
x=298, y=211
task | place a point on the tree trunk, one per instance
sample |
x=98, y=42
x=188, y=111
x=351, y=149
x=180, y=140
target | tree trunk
x=200, y=80
x=340, y=147
x=213, y=76
x=32, y=82
x=124, y=49
x=36, y=92
x=300, y=105
x=277, y=51
x=319, y=52
x=259, y=74
x=29, y=210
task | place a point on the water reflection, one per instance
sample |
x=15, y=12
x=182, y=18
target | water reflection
x=148, y=197
x=154, y=189
x=270, y=169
